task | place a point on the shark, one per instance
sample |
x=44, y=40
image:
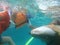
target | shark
x=48, y=33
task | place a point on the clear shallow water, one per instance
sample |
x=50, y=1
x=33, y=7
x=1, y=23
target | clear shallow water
x=21, y=35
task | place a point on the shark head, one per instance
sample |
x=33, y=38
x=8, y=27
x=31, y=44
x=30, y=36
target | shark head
x=43, y=32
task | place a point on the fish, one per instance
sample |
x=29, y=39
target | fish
x=47, y=34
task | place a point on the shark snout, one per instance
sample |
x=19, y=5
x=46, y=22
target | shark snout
x=44, y=30
x=35, y=32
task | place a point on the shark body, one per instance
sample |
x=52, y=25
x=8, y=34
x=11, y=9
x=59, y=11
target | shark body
x=47, y=34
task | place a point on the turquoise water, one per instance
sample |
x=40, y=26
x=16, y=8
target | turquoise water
x=21, y=35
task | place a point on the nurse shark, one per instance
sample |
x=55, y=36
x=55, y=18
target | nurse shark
x=47, y=34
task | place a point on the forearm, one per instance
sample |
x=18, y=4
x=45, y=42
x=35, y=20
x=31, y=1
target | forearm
x=54, y=27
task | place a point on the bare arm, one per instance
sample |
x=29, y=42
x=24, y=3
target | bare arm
x=55, y=28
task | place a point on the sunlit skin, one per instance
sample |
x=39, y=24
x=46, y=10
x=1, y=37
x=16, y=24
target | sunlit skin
x=55, y=28
x=20, y=19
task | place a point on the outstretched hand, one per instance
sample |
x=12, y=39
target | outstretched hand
x=55, y=28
